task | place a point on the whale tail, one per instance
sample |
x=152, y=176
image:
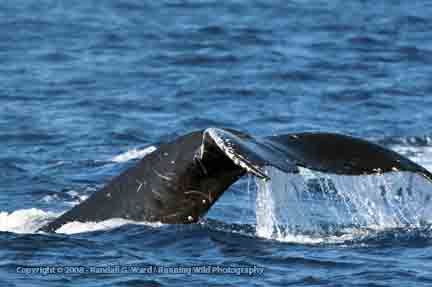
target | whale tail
x=181, y=180
x=324, y=152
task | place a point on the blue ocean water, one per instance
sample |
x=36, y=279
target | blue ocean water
x=87, y=86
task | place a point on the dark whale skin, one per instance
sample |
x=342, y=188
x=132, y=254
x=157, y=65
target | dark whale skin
x=180, y=181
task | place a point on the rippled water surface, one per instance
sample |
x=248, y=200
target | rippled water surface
x=87, y=86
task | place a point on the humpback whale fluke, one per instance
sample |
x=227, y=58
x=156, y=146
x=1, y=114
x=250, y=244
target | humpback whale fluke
x=182, y=179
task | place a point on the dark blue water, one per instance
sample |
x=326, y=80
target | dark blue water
x=82, y=82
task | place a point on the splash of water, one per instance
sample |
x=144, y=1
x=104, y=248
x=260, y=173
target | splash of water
x=25, y=220
x=30, y=220
x=314, y=207
x=79, y=227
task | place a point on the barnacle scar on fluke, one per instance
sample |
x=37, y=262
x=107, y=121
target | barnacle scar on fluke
x=182, y=179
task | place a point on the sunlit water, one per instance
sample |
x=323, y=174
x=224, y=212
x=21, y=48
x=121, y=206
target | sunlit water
x=89, y=87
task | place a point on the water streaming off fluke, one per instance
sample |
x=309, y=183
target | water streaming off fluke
x=324, y=207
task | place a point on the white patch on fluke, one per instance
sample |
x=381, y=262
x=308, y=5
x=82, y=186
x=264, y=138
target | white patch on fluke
x=133, y=154
x=227, y=148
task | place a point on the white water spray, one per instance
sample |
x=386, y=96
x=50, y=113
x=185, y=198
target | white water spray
x=320, y=206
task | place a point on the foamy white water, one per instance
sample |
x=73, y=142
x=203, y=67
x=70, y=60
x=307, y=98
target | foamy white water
x=79, y=227
x=50, y=198
x=76, y=198
x=25, y=220
x=133, y=154
x=30, y=220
